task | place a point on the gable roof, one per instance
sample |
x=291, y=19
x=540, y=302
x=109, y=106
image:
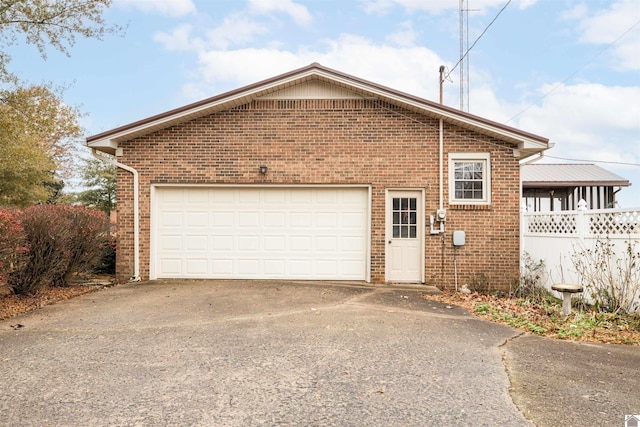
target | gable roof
x=525, y=144
x=565, y=175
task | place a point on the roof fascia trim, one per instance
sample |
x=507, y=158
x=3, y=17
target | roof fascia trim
x=525, y=140
x=226, y=98
x=554, y=184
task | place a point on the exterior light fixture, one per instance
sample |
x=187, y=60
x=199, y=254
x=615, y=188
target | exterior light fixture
x=263, y=170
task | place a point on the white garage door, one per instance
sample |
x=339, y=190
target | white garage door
x=260, y=233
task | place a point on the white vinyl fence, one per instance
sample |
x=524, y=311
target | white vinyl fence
x=555, y=236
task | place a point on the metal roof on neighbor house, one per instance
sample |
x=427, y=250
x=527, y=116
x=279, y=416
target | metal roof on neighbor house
x=564, y=175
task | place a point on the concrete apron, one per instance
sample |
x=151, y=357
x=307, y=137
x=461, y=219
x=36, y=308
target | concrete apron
x=240, y=353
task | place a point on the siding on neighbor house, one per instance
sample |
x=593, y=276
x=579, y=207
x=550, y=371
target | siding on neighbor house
x=336, y=141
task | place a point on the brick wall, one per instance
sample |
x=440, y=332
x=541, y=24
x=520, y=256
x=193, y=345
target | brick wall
x=333, y=142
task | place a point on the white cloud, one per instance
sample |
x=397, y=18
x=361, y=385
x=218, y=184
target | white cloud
x=236, y=29
x=604, y=26
x=300, y=14
x=179, y=39
x=163, y=7
x=589, y=121
x=405, y=36
x=410, y=69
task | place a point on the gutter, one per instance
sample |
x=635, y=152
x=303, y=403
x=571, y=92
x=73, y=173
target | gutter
x=136, y=221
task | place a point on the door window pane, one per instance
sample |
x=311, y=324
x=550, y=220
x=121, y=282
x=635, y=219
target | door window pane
x=404, y=217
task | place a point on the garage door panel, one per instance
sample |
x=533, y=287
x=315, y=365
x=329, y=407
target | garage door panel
x=275, y=197
x=248, y=219
x=197, y=219
x=328, y=267
x=327, y=197
x=275, y=243
x=274, y=219
x=353, y=220
x=300, y=219
x=222, y=243
x=352, y=268
x=222, y=219
x=248, y=267
x=171, y=243
x=249, y=196
x=221, y=196
x=300, y=243
x=196, y=267
x=327, y=244
x=300, y=267
x=197, y=196
x=172, y=195
x=248, y=243
x=301, y=233
x=196, y=243
x=275, y=267
x=171, y=219
x=351, y=244
x=222, y=268
x=327, y=219
x=300, y=196
x=170, y=267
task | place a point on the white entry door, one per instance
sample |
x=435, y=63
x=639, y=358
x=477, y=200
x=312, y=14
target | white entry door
x=404, y=231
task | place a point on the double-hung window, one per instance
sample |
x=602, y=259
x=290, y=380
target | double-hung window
x=469, y=178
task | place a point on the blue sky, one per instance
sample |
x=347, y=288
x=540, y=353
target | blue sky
x=567, y=70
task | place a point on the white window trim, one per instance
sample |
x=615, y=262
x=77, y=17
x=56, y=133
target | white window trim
x=465, y=157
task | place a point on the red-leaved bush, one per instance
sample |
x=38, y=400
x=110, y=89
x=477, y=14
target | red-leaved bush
x=62, y=240
x=13, y=243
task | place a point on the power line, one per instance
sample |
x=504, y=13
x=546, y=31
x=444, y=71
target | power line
x=592, y=161
x=577, y=71
x=479, y=37
x=471, y=138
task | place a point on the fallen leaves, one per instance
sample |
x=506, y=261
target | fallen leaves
x=546, y=320
x=12, y=305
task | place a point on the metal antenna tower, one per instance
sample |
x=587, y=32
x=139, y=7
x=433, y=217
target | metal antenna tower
x=464, y=54
x=462, y=50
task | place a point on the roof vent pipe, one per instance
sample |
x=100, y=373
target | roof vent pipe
x=136, y=222
x=441, y=82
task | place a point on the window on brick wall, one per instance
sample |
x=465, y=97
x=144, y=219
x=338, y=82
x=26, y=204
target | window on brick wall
x=469, y=178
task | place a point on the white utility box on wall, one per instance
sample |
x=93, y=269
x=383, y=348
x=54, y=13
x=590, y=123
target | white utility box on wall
x=458, y=238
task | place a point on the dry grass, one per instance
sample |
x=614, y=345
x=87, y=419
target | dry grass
x=544, y=318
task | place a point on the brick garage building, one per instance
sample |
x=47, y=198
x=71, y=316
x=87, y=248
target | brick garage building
x=318, y=175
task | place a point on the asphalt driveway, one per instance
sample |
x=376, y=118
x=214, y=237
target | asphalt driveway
x=238, y=353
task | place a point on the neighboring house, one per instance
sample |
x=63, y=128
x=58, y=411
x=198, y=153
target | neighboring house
x=559, y=187
x=318, y=175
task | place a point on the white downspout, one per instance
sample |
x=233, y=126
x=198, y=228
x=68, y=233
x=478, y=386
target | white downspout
x=136, y=221
x=441, y=140
x=533, y=159
x=440, y=210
